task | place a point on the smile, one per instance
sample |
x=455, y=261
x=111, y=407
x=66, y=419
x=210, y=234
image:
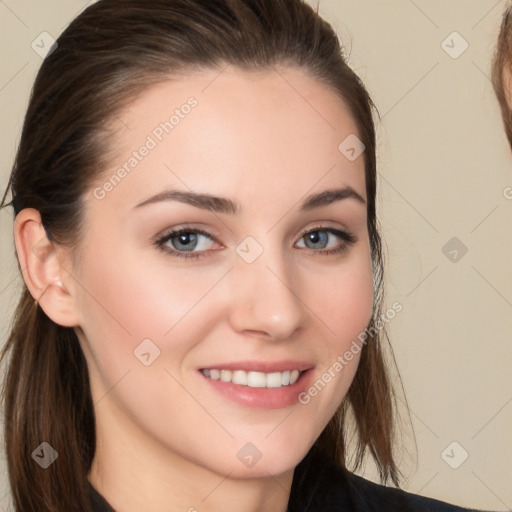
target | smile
x=254, y=379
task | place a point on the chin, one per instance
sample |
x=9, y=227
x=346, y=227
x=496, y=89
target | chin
x=274, y=459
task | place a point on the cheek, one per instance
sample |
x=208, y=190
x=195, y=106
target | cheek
x=128, y=302
x=345, y=309
x=346, y=301
x=136, y=294
x=125, y=301
x=344, y=306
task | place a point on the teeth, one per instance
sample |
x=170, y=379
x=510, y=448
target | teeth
x=254, y=379
x=239, y=377
x=274, y=380
x=225, y=375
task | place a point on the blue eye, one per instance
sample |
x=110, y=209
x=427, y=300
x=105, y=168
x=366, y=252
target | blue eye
x=185, y=241
x=321, y=236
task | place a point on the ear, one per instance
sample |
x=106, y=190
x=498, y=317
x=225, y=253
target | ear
x=44, y=267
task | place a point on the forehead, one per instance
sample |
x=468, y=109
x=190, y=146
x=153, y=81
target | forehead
x=230, y=130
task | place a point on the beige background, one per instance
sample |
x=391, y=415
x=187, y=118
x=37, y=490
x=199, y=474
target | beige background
x=444, y=166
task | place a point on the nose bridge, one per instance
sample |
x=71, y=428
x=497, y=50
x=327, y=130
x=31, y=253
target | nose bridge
x=264, y=291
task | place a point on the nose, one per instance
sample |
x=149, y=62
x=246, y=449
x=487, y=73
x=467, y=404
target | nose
x=265, y=301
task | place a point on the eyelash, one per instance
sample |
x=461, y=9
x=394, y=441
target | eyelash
x=349, y=239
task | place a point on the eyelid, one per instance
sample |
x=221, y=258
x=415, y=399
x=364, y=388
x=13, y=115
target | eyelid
x=209, y=232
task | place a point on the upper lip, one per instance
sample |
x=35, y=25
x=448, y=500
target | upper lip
x=261, y=366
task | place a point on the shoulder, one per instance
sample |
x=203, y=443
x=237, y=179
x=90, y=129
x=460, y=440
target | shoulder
x=323, y=484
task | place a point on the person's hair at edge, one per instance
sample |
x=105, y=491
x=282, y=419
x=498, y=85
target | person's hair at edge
x=501, y=74
x=108, y=55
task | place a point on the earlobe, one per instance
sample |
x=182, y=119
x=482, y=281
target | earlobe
x=43, y=269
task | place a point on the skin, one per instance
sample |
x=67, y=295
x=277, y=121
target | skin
x=166, y=441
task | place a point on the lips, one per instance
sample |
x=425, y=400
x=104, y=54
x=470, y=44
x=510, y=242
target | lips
x=260, y=384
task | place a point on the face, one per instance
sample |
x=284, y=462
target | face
x=197, y=314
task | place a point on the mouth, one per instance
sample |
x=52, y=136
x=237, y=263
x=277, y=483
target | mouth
x=254, y=379
x=259, y=385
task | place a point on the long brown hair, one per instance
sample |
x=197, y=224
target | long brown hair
x=501, y=74
x=110, y=53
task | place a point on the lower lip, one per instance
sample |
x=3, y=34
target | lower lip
x=262, y=398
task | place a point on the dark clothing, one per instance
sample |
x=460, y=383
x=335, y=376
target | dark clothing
x=321, y=485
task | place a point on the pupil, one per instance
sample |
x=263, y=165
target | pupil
x=185, y=240
x=315, y=237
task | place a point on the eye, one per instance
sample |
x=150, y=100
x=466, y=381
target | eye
x=183, y=242
x=318, y=238
x=192, y=243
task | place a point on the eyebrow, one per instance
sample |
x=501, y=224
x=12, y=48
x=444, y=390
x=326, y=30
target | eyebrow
x=228, y=206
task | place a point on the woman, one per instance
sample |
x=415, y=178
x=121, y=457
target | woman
x=181, y=342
